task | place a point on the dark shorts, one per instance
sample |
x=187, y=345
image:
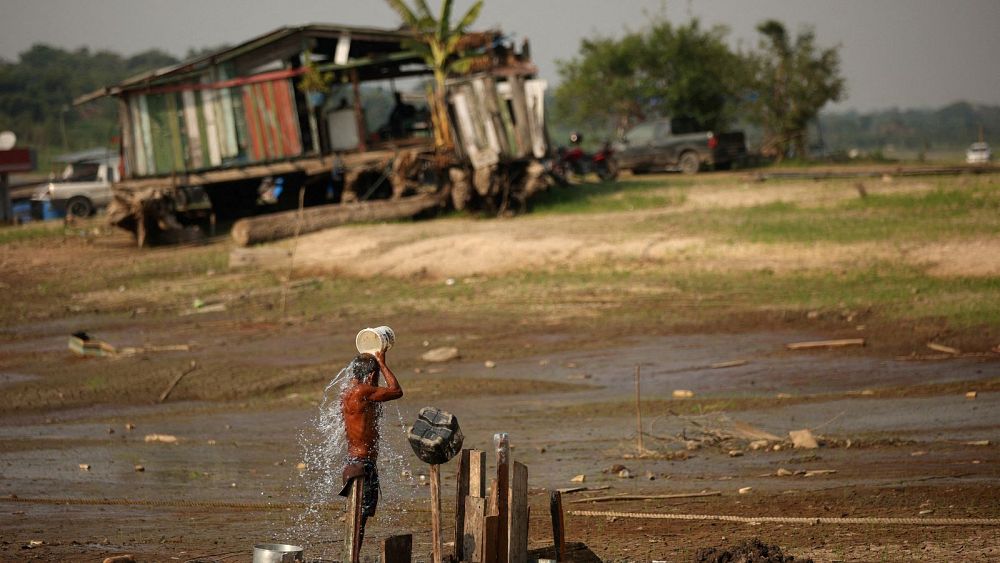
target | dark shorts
x=358, y=467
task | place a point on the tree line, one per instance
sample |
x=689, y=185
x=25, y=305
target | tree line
x=37, y=92
x=689, y=71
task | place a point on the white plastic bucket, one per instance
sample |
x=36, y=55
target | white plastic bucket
x=276, y=553
x=378, y=339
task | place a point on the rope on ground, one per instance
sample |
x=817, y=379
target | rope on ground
x=792, y=519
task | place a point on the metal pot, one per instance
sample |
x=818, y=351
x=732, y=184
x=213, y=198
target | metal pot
x=277, y=553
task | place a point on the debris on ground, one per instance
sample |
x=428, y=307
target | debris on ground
x=943, y=349
x=85, y=345
x=444, y=354
x=748, y=551
x=729, y=364
x=161, y=438
x=84, y=467
x=139, y=468
x=683, y=393
x=803, y=439
x=578, y=479
x=745, y=490
x=840, y=343
x=120, y=559
x=971, y=395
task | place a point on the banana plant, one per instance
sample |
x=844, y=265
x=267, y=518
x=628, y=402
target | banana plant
x=437, y=41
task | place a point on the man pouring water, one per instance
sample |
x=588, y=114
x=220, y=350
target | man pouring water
x=360, y=405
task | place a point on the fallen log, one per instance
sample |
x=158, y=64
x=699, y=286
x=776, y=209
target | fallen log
x=277, y=226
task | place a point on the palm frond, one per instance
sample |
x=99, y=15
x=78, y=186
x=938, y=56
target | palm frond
x=405, y=13
x=424, y=10
x=469, y=17
x=444, y=21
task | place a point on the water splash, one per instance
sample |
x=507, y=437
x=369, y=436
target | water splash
x=324, y=447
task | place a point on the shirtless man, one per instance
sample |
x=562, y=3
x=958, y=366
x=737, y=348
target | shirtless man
x=358, y=402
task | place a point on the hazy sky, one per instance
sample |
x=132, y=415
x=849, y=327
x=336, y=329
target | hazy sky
x=896, y=53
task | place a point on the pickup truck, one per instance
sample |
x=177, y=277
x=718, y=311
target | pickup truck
x=83, y=188
x=677, y=144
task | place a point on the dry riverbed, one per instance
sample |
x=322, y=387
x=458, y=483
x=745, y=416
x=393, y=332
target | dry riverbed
x=700, y=282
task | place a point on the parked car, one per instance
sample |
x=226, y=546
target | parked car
x=978, y=153
x=83, y=188
x=678, y=144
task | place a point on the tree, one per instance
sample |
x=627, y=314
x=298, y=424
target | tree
x=437, y=42
x=794, y=80
x=664, y=70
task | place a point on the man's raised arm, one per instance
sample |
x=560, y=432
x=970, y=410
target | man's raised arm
x=392, y=390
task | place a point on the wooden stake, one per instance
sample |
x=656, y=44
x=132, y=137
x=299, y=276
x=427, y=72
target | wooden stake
x=477, y=474
x=461, y=491
x=638, y=409
x=352, y=536
x=436, y=512
x=502, y=444
x=398, y=549
x=491, y=539
x=558, y=526
x=475, y=529
x=517, y=526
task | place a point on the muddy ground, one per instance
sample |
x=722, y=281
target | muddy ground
x=899, y=436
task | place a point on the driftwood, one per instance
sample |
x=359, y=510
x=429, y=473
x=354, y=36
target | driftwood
x=826, y=344
x=283, y=225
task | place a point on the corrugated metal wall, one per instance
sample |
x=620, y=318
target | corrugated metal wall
x=203, y=127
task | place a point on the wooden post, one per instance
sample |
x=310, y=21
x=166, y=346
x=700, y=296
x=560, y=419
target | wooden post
x=477, y=474
x=475, y=530
x=517, y=526
x=6, y=211
x=436, y=512
x=491, y=539
x=461, y=491
x=398, y=549
x=359, y=112
x=352, y=536
x=502, y=444
x=638, y=408
x=558, y=529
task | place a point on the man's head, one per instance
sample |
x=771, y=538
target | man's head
x=363, y=366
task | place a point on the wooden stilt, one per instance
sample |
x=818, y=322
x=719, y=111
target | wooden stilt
x=352, y=536
x=517, y=527
x=461, y=491
x=558, y=530
x=398, y=549
x=502, y=444
x=436, y=512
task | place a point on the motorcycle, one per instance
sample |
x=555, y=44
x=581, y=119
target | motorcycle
x=578, y=162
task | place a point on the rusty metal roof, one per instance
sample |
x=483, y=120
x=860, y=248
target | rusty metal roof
x=205, y=61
